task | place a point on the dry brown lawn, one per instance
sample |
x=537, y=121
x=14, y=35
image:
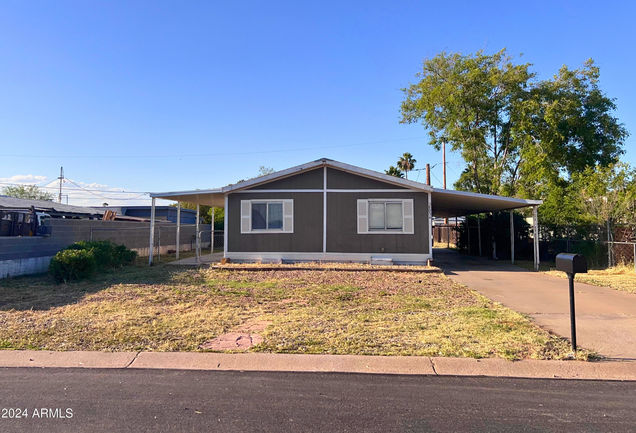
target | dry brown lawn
x=302, y=309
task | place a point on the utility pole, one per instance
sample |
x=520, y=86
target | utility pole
x=444, y=162
x=61, y=178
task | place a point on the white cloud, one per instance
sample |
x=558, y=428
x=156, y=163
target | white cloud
x=80, y=193
x=23, y=178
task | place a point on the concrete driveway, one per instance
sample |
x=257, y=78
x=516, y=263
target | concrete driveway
x=605, y=318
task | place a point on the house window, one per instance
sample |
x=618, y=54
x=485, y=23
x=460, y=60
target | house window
x=385, y=216
x=267, y=216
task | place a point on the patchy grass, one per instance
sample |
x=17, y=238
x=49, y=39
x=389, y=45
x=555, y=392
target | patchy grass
x=621, y=277
x=309, y=308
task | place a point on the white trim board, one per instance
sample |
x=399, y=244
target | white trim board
x=332, y=256
x=266, y=191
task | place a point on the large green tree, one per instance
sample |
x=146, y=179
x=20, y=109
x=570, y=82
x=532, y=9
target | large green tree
x=31, y=192
x=518, y=135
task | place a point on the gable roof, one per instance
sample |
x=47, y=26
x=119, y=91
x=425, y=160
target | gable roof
x=445, y=202
x=323, y=162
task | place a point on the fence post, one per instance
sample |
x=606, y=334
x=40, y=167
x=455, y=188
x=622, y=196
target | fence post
x=512, y=237
x=535, y=225
x=197, y=234
x=151, y=241
x=178, y=235
x=609, y=245
x=212, y=232
x=479, y=233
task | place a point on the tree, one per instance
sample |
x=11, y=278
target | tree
x=263, y=171
x=406, y=163
x=394, y=171
x=517, y=135
x=31, y=192
x=608, y=193
x=206, y=213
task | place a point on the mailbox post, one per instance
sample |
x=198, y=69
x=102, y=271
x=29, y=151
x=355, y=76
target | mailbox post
x=571, y=264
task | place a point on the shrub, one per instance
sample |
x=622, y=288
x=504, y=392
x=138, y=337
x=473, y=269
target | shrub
x=72, y=264
x=83, y=258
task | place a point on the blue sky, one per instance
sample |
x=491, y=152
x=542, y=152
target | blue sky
x=157, y=96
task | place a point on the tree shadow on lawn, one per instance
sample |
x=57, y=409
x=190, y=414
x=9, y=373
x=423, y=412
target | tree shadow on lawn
x=42, y=293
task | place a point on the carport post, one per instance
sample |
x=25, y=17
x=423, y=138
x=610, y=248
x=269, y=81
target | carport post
x=512, y=237
x=479, y=232
x=212, y=232
x=178, y=240
x=152, y=232
x=468, y=232
x=197, y=245
x=535, y=232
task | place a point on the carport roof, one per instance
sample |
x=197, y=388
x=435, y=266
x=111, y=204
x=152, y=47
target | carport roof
x=445, y=202
x=450, y=203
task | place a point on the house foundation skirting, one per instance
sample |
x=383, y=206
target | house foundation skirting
x=398, y=258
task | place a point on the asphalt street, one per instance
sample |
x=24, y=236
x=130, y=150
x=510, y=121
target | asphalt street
x=128, y=400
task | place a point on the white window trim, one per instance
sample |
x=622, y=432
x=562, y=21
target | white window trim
x=405, y=216
x=248, y=216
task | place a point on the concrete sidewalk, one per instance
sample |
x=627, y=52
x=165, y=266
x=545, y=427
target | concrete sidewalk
x=605, y=318
x=410, y=365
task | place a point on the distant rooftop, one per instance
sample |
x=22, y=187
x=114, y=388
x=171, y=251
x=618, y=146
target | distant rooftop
x=13, y=203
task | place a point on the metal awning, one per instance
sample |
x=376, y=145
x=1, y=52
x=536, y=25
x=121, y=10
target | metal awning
x=448, y=203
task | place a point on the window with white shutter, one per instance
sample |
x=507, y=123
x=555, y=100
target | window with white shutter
x=385, y=216
x=267, y=216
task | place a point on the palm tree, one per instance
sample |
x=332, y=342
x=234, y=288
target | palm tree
x=394, y=171
x=406, y=163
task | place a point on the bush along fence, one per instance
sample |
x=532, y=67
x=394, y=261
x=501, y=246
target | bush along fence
x=32, y=254
x=82, y=259
x=603, y=246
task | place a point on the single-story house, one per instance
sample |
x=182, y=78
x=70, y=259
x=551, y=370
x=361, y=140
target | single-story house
x=331, y=211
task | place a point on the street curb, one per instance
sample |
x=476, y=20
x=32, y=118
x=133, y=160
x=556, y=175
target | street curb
x=409, y=365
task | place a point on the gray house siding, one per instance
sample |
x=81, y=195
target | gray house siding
x=342, y=240
x=342, y=226
x=313, y=179
x=307, y=235
x=338, y=179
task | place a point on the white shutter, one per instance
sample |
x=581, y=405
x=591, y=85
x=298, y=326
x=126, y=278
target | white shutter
x=363, y=216
x=288, y=216
x=246, y=216
x=408, y=215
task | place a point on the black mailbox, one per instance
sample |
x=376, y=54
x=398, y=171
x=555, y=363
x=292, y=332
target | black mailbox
x=571, y=263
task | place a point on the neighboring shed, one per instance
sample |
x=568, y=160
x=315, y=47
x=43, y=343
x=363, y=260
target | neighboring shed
x=328, y=210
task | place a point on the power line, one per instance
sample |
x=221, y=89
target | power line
x=216, y=154
x=101, y=196
x=75, y=189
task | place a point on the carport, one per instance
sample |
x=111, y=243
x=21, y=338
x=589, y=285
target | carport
x=447, y=203
x=442, y=202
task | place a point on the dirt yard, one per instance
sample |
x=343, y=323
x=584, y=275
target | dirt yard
x=356, y=309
